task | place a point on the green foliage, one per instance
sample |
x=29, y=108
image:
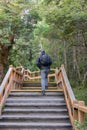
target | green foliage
x=3, y=108
x=58, y=26
x=81, y=93
x=9, y=21
x=24, y=53
x=79, y=126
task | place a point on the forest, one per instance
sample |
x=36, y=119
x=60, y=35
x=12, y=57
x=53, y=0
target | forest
x=57, y=26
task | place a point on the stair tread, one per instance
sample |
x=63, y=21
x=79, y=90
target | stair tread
x=36, y=90
x=27, y=108
x=35, y=110
x=29, y=104
x=38, y=87
x=36, y=93
x=40, y=116
x=36, y=100
x=37, y=82
x=34, y=124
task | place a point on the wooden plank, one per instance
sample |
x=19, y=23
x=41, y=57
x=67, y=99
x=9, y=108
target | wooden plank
x=68, y=86
x=5, y=80
x=31, y=82
x=17, y=81
x=38, y=77
x=38, y=87
x=81, y=108
x=37, y=90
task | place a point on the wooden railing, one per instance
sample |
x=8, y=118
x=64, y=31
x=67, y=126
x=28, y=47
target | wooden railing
x=15, y=77
x=35, y=75
x=76, y=109
x=12, y=80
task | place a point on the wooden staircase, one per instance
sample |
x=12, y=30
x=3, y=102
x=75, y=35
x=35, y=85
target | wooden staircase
x=23, y=107
x=28, y=109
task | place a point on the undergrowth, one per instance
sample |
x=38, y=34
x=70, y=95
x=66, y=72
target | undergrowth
x=81, y=95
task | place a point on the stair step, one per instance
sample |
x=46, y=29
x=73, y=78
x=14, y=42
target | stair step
x=36, y=94
x=43, y=98
x=37, y=90
x=35, y=104
x=37, y=110
x=36, y=82
x=9, y=110
x=28, y=87
x=38, y=85
x=35, y=107
x=59, y=113
x=35, y=125
x=46, y=100
x=63, y=128
x=36, y=116
x=28, y=109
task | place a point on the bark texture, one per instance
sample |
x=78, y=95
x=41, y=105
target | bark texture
x=4, y=53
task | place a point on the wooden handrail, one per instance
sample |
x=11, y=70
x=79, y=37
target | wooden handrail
x=76, y=109
x=5, y=80
x=35, y=75
x=67, y=83
x=81, y=108
x=39, y=77
x=13, y=79
x=15, y=76
x=20, y=69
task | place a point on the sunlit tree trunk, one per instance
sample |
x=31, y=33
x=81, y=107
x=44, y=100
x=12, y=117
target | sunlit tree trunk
x=65, y=55
x=75, y=64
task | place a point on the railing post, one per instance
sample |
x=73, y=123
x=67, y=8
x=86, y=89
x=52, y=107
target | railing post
x=48, y=78
x=75, y=112
x=10, y=66
x=56, y=74
x=81, y=115
x=0, y=110
x=0, y=97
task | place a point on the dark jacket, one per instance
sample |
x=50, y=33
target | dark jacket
x=39, y=64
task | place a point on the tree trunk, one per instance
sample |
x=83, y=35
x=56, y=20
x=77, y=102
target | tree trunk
x=3, y=61
x=84, y=39
x=1, y=72
x=75, y=64
x=4, y=53
x=65, y=56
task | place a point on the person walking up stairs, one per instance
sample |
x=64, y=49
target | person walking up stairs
x=44, y=62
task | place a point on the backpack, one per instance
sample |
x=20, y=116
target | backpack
x=45, y=60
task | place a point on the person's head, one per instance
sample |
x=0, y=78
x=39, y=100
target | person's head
x=41, y=52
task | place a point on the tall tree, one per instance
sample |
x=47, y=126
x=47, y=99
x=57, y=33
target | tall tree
x=10, y=24
x=67, y=22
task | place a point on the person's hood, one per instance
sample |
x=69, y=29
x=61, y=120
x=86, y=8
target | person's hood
x=42, y=52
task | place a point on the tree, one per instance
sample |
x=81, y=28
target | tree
x=10, y=24
x=67, y=21
x=59, y=27
x=26, y=43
